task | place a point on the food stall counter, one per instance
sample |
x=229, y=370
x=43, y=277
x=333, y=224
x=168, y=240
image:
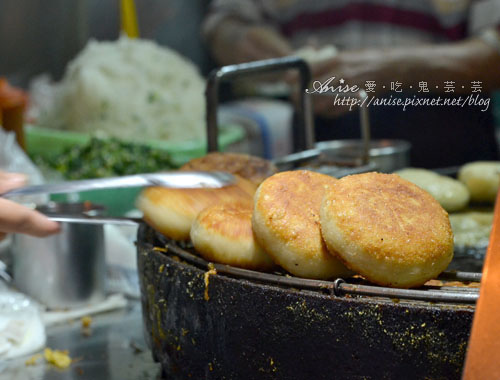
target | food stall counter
x=112, y=348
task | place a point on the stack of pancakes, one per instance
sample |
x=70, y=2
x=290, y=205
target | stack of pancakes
x=312, y=225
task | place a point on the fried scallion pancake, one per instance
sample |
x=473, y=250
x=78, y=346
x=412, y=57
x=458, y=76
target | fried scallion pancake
x=223, y=234
x=172, y=211
x=286, y=223
x=252, y=168
x=387, y=229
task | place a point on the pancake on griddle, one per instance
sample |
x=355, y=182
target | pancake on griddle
x=482, y=178
x=252, y=168
x=285, y=222
x=172, y=211
x=387, y=229
x=452, y=194
x=223, y=234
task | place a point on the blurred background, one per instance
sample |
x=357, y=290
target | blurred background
x=37, y=38
x=104, y=88
x=70, y=112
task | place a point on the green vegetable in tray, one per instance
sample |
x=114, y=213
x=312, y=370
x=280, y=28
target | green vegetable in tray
x=105, y=158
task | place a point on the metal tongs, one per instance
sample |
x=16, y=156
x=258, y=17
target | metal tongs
x=180, y=180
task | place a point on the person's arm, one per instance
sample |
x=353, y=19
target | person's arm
x=235, y=41
x=20, y=219
x=236, y=31
x=472, y=60
x=462, y=62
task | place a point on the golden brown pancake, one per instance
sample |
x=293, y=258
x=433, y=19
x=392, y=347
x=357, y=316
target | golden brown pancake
x=254, y=169
x=387, y=229
x=223, y=234
x=286, y=223
x=172, y=211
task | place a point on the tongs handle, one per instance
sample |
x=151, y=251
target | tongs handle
x=99, y=220
x=173, y=179
x=305, y=129
x=483, y=352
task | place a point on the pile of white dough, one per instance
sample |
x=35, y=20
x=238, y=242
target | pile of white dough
x=132, y=89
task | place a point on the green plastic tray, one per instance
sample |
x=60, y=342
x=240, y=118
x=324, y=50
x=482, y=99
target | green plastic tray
x=46, y=142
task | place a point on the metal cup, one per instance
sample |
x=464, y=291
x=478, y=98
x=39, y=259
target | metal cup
x=66, y=270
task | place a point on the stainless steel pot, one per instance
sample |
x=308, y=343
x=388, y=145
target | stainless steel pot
x=338, y=157
x=66, y=270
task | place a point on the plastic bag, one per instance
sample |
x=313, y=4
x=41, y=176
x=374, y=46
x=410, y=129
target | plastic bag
x=14, y=159
x=21, y=328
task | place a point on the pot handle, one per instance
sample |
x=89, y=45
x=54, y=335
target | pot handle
x=364, y=118
x=305, y=130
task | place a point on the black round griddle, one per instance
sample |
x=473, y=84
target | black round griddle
x=231, y=325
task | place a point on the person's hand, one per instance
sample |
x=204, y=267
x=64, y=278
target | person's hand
x=17, y=218
x=236, y=42
x=352, y=68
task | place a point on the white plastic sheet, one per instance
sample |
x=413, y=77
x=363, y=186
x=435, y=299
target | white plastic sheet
x=14, y=159
x=21, y=328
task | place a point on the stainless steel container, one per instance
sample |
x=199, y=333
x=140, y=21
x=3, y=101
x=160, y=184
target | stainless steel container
x=357, y=155
x=387, y=155
x=66, y=270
